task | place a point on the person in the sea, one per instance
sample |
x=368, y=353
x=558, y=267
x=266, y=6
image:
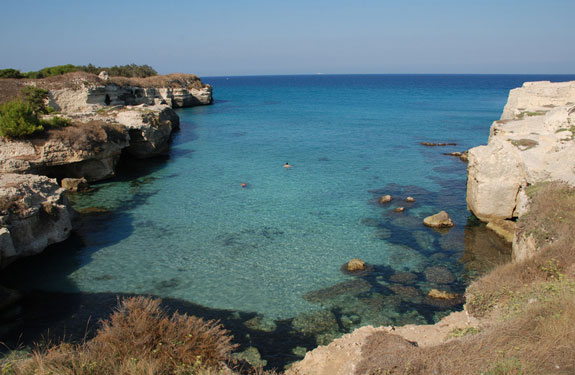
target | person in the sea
x=286, y=165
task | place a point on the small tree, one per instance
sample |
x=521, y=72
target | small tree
x=36, y=97
x=18, y=120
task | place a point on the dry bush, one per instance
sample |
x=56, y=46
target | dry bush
x=139, y=338
x=90, y=136
x=550, y=221
x=540, y=340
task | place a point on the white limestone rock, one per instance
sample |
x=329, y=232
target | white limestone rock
x=34, y=214
x=149, y=128
x=533, y=142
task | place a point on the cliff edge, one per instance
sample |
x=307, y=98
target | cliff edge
x=532, y=142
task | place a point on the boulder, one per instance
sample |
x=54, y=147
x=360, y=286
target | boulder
x=34, y=214
x=439, y=220
x=399, y=209
x=410, y=199
x=355, y=265
x=75, y=184
x=385, y=199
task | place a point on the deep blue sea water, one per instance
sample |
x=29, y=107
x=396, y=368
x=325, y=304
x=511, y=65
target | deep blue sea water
x=184, y=227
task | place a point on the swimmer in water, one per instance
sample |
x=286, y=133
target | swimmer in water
x=286, y=165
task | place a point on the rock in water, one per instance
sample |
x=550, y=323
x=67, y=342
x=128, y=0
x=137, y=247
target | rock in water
x=356, y=265
x=399, y=209
x=75, y=184
x=439, y=220
x=410, y=199
x=440, y=294
x=385, y=199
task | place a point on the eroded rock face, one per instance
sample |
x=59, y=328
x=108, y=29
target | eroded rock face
x=89, y=150
x=533, y=142
x=149, y=128
x=34, y=214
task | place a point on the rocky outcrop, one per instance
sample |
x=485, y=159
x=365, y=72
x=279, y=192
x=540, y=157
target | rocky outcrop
x=90, y=150
x=344, y=355
x=149, y=128
x=533, y=142
x=85, y=92
x=34, y=213
x=109, y=115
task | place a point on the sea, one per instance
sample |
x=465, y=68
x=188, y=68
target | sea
x=221, y=228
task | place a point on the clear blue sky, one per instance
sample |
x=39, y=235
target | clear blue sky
x=245, y=37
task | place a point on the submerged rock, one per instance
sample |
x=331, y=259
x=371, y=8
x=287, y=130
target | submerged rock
x=261, y=323
x=503, y=228
x=399, y=209
x=440, y=294
x=439, y=275
x=431, y=144
x=351, y=287
x=410, y=199
x=439, y=220
x=252, y=356
x=403, y=277
x=314, y=323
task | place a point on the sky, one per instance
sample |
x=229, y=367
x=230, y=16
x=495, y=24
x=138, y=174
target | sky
x=261, y=37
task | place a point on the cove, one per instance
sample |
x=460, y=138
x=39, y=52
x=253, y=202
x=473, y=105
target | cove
x=269, y=254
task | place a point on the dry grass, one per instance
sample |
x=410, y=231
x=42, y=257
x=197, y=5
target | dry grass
x=528, y=308
x=139, y=338
x=92, y=135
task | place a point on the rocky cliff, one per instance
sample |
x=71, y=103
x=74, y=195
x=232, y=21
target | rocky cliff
x=34, y=213
x=532, y=142
x=110, y=116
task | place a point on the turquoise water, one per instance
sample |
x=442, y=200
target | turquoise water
x=184, y=227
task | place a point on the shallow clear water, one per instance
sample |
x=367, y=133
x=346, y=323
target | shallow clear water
x=186, y=228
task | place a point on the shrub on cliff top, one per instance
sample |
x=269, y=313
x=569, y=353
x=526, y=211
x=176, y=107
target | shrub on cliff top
x=18, y=120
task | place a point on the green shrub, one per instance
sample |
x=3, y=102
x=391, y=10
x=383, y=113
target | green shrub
x=18, y=120
x=56, y=122
x=36, y=96
x=10, y=73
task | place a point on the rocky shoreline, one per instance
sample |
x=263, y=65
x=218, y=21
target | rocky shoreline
x=533, y=142
x=111, y=117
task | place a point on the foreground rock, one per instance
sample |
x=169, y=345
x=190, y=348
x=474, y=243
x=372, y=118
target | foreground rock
x=34, y=214
x=344, y=355
x=533, y=142
x=439, y=220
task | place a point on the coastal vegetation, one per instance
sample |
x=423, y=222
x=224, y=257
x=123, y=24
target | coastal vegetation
x=138, y=338
x=129, y=70
x=20, y=118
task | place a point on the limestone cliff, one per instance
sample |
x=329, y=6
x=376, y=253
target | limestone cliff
x=109, y=115
x=34, y=213
x=533, y=142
